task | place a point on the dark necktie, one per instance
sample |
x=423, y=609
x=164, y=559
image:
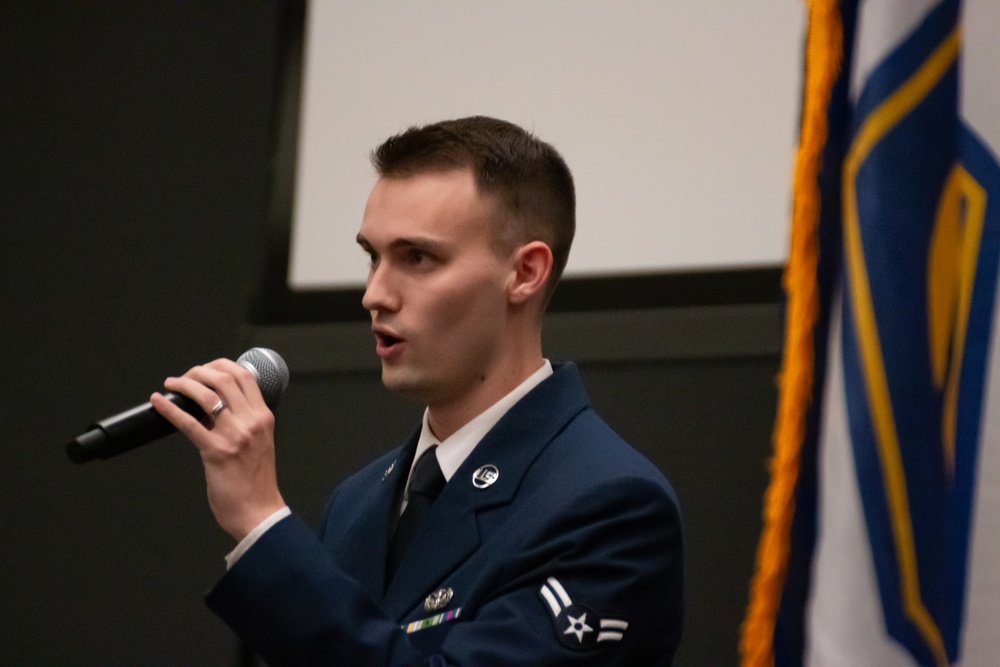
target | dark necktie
x=426, y=482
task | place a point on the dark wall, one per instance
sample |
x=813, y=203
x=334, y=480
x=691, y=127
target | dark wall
x=135, y=143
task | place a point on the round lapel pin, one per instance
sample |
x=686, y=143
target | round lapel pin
x=485, y=476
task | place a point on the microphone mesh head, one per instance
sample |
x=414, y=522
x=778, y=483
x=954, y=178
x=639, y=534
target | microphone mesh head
x=270, y=369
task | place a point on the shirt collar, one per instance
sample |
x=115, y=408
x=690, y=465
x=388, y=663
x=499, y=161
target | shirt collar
x=455, y=449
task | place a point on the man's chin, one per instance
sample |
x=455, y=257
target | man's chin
x=403, y=383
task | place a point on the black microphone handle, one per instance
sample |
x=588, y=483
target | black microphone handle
x=128, y=430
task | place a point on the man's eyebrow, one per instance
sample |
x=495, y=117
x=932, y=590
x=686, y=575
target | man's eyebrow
x=421, y=242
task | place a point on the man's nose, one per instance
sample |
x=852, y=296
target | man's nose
x=379, y=292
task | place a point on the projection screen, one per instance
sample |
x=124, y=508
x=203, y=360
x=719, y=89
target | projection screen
x=677, y=117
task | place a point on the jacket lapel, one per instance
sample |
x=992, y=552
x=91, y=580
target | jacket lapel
x=450, y=533
x=366, y=541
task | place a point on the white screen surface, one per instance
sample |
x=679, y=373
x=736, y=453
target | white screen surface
x=677, y=118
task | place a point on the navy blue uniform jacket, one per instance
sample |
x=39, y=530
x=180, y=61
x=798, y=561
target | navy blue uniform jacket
x=572, y=556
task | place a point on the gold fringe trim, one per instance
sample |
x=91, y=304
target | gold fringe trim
x=824, y=45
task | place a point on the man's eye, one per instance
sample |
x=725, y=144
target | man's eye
x=417, y=257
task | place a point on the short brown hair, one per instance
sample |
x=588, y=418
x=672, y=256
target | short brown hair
x=527, y=177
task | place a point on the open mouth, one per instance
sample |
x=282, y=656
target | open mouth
x=385, y=343
x=386, y=340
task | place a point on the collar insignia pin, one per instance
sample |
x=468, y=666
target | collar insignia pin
x=388, y=471
x=485, y=476
x=438, y=599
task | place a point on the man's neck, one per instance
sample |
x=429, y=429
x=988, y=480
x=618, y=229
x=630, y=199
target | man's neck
x=446, y=418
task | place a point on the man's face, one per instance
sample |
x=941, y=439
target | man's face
x=437, y=291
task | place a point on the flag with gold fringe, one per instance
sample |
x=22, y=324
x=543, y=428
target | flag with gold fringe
x=881, y=540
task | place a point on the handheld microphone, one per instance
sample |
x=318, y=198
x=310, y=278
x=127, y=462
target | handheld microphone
x=143, y=424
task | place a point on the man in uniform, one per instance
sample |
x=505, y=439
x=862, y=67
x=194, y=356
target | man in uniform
x=514, y=527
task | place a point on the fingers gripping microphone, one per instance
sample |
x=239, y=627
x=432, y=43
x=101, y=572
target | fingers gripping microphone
x=143, y=424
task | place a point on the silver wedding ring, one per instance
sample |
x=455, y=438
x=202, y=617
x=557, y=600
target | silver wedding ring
x=219, y=407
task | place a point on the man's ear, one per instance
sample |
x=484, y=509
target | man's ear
x=532, y=267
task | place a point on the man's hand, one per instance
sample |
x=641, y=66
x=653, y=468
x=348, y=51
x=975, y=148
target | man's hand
x=236, y=445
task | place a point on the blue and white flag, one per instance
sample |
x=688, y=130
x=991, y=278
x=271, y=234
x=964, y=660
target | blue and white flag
x=882, y=535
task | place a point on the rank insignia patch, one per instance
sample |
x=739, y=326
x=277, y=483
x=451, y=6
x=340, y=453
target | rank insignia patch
x=578, y=626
